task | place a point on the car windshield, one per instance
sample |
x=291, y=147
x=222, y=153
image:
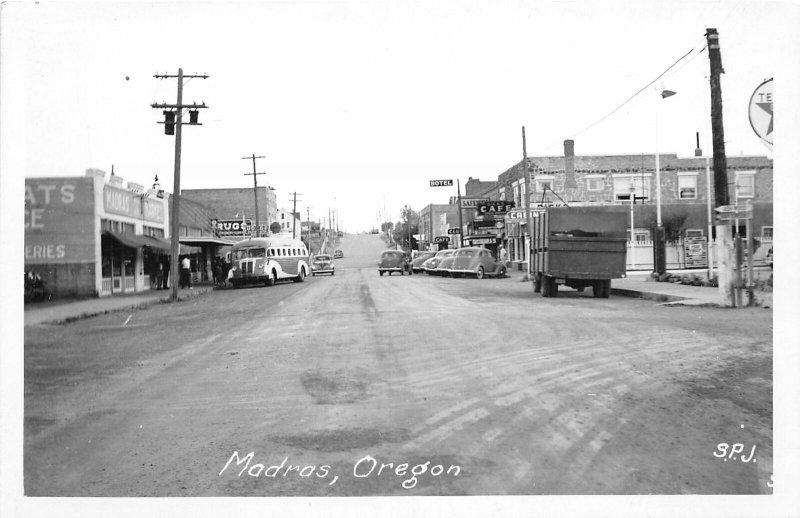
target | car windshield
x=323, y=258
x=392, y=254
x=465, y=253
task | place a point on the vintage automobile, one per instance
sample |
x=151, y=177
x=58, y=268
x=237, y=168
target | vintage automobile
x=430, y=265
x=416, y=263
x=475, y=261
x=322, y=263
x=338, y=254
x=394, y=261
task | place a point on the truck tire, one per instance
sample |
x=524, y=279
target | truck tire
x=601, y=288
x=549, y=287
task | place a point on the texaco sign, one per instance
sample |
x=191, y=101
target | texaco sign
x=760, y=112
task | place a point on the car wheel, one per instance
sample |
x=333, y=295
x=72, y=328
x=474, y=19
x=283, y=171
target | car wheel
x=380, y=272
x=501, y=272
x=479, y=273
x=273, y=278
x=402, y=272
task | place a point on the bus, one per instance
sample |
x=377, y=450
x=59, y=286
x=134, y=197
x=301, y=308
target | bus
x=266, y=260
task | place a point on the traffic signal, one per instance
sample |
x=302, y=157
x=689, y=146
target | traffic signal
x=169, y=123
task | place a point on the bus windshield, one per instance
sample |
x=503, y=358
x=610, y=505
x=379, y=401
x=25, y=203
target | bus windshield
x=244, y=253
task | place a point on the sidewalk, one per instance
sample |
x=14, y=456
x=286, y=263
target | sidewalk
x=677, y=294
x=640, y=285
x=63, y=311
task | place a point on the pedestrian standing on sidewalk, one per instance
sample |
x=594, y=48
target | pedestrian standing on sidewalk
x=186, y=271
x=165, y=263
x=502, y=255
x=159, y=274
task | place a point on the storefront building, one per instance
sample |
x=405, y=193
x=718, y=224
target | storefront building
x=86, y=236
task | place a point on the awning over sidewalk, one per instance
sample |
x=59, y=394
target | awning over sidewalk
x=203, y=240
x=138, y=241
x=131, y=240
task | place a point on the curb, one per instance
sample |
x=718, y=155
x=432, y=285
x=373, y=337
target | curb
x=658, y=297
x=139, y=305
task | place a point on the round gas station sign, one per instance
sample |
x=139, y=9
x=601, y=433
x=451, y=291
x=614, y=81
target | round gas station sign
x=760, y=112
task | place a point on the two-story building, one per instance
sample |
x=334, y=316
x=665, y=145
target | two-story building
x=627, y=183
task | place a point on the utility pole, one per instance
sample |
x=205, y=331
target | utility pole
x=255, y=188
x=460, y=216
x=726, y=256
x=294, y=212
x=526, y=247
x=171, y=111
x=308, y=224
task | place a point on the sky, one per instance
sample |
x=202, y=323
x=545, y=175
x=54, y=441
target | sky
x=357, y=105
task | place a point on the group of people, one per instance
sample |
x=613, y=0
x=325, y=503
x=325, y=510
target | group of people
x=219, y=270
x=160, y=272
x=160, y=269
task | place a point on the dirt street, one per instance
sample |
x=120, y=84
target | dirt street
x=357, y=384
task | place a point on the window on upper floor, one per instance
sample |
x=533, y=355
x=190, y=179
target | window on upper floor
x=639, y=183
x=544, y=184
x=745, y=184
x=595, y=183
x=687, y=186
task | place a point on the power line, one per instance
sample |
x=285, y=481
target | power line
x=612, y=112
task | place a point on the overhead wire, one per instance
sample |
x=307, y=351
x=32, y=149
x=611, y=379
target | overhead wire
x=645, y=87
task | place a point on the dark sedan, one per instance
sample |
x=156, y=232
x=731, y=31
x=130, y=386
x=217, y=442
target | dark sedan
x=322, y=263
x=394, y=261
x=475, y=261
x=416, y=263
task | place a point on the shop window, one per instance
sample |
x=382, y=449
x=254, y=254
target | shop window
x=687, y=186
x=766, y=232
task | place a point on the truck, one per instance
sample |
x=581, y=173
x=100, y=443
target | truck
x=578, y=247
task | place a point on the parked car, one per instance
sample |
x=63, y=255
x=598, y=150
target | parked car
x=416, y=263
x=445, y=265
x=394, y=261
x=475, y=261
x=431, y=264
x=337, y=254
x=322, y=263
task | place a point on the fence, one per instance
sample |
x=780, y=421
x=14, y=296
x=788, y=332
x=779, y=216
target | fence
x=640, y=254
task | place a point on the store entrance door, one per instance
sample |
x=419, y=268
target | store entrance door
x=118, y=268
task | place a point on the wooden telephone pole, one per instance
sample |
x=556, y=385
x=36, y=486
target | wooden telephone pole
x=724, y=242
x=173, y=127
x=294, y=212
x=255, y=188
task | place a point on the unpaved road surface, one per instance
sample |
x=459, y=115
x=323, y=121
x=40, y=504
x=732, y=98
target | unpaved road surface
x=357, y=384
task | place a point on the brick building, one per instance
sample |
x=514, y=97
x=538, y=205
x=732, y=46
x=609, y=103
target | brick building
x=237, y=204
x=610, y=180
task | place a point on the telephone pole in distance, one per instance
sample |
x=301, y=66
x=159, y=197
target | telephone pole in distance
x=255, y=187
x=294, y=212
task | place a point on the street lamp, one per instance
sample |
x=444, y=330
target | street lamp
x=633, y=237
x=659, y=240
